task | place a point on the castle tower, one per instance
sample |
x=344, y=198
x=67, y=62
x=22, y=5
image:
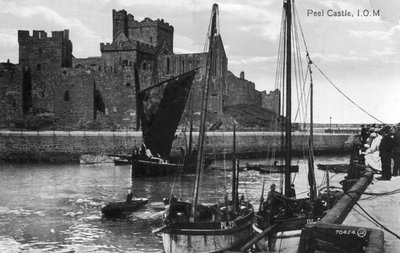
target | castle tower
x=41, y=53
x=156, y=33
x=120, y=23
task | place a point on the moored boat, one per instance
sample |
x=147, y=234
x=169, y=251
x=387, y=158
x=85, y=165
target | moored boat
x=116, y=208
x=335, y=168
x=271, y=168
x=194, y=227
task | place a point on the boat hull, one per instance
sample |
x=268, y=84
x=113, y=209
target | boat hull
x=335, y=168
x=270, y=169
x=153, y=167
x=213, y=240
x=116, y=208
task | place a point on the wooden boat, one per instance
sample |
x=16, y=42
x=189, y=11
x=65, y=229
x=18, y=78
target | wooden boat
x=160, y=108
x=335, y=168
x=282, y=211
x=192, y=227
x=270, y=168
x=116, y=208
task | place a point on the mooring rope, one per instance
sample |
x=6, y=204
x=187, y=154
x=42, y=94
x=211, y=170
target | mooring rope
x=377, y=222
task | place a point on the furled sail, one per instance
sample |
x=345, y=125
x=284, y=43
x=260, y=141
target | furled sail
x=161, y=109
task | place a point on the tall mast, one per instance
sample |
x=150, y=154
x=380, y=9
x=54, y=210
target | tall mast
x=200, y=165
x=311, y=174
x=234, y=181
x=288, y=132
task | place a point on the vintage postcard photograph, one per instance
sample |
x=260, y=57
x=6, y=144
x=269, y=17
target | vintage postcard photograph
x=200, y=126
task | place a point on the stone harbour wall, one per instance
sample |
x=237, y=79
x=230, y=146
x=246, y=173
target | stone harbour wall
x=60, y=146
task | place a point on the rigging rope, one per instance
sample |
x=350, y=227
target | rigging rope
x=341, y=92
x=377, y=222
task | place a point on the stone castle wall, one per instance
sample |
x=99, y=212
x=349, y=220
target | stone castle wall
x=11, y=92
x=59, y=145
x=244, y=91
x=40, y=52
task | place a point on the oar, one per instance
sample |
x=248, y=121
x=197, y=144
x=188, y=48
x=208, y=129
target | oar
x=258, y=237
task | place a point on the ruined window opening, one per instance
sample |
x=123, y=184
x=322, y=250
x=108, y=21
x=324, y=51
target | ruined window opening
x=40, y=50
x=144, y=66
x=183, y=65
x=167, y=65
x=38, y=67
x=151, y=39
x=64, y=72
x=125, y=62
x=66, y=96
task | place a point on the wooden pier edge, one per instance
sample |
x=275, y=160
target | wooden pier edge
x=335, y=216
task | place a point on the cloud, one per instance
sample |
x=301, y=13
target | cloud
x=53, y=17
x=252, y=60
x=389, y=10
x=8, y=37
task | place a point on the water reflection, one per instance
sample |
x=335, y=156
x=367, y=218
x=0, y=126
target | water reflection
x=57, y=207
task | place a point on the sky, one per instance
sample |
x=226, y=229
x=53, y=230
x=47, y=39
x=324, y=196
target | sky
x=359, y=54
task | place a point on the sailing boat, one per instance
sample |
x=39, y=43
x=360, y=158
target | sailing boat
x=283, y=212
x=159, y=109
x=192, y=227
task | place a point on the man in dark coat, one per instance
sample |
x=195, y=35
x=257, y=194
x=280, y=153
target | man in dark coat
x=396, y=151
x=385, y=152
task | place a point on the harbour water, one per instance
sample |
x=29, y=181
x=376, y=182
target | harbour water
x=56, y=208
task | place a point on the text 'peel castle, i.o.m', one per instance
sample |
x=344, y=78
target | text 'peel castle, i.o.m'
x=50, y=88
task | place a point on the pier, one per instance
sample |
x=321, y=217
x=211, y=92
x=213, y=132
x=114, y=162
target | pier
x=68, y=146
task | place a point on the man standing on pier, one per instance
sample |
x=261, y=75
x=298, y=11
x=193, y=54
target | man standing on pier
x=385, y=152
x=396, y=151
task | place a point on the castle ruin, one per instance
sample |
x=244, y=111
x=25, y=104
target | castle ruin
x=100, y=91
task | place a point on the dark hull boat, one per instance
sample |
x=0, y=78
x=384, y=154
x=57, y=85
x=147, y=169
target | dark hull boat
x=157, y=167
x=335, y=168
x=270, y=169
x=160, y=108
x=117, y=208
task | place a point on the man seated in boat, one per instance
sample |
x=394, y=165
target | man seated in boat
x=129, y=196
x=176, y=210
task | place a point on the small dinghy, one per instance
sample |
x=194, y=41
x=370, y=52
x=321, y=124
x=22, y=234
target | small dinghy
x=116, y=208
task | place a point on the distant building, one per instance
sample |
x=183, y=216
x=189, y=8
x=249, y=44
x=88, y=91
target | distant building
x=78, y=92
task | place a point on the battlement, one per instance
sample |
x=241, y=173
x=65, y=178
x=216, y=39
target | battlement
x=127, y=46
x=24, y=35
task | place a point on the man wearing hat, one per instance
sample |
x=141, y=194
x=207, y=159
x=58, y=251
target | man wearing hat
x=385, y=152
x=396, y=151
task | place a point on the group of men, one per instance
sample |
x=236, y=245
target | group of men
x=381, y=144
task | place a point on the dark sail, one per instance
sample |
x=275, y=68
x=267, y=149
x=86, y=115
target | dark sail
x=162, y=107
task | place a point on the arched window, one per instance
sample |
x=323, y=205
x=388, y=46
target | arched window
x=66, y=96
x=144, y=66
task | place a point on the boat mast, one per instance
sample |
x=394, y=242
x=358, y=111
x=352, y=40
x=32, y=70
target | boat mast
x=189, y=152
x=234, y=180
x=311, y=174
x=288, y=132
x=200, y=165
